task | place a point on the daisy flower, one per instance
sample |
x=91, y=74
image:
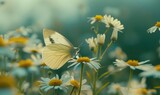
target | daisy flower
x=138, y=91
x=118, y=53
x=101, y=39
x=35, y=48
x=97, y=18
x=154, y=71
x=92, y=63
x=46, y=84
x=22, y=31
x=114, y=88
x=92, y=42
x=133, y=64
x=154, y=28
x=5, y=49
x=76, y=84
x=115, y=24
x=22, y=67
x=137, y=88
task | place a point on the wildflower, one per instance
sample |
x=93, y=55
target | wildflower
x=97, y=18
x=154, y=28
x=22, y=31
x=118, y=53
x=92, y=63
x=133, y=64
x=92, y=42
x=76, y=84
x=7, y=81
x=114, y=88
x=18, y=40
x=100, y=39
x=137, y=88
x=154, y=71
x=115, y=24
x=25, y=63
x=138, y=91
x=22, y=67
x=33, y=48
x=5, y=50
x=46, y=84
x=2, y=42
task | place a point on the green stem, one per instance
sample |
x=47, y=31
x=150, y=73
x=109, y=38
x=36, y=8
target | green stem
x=81, y=78
x=72, y=90
x=109, y=44
x=54, y=90
x=130, y=78
x=5, y=64
x=106, y=31
x=94, y=84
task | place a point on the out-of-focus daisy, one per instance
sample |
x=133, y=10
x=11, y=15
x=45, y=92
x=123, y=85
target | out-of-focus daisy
x=137, y=88
x=115, y=24
x=154, y=28
x=7, y=81
x=22, y=67
x=114, y=88
x=46, y=84
x=138, y=91
x=7, y=85
x=5, y=49
x=154, y=71
x=33, y=48
x=97, y=18
x=18, y=40
x=101, y=39
x=92, y=42
x=22, y=31
x=118, y=53
x=92, y=63
x=133, y=64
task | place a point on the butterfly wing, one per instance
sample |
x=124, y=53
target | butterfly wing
x=56, y=55
x=53, y=37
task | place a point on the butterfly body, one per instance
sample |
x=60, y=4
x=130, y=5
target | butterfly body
x=58, y=49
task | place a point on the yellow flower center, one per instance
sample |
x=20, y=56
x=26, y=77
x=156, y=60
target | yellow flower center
x=2, y=42
x=37, y=83
x=55, y=82
x=83, y=59
x=158, y=24
x=25, y=63
x=133, y=62
x=19, y=40
x=34, y=51
x=98, y=17
x=143, y=91
x=157, y=67
x=75, y=83
x=7, y=82
x=43, y=64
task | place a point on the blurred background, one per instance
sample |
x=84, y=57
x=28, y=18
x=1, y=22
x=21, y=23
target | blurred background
x=70, y=18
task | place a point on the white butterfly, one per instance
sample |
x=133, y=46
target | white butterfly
x=58, y=49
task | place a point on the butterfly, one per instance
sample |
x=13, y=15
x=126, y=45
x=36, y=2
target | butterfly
x=58, y=49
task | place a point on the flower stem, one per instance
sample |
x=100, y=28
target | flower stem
x=109, y=44
x=94, y=84
x=130, y=78
x=81, y=78
x=72, y=90
x=106, y=31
